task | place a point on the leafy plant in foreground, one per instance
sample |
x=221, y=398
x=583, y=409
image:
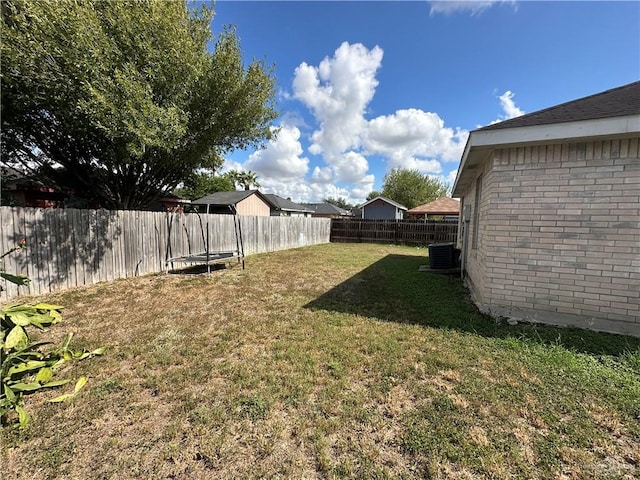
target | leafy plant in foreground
x=17, y=279
x=27, y=367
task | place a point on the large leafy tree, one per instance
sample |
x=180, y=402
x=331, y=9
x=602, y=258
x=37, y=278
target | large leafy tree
x=411, y=188
x=121, y=101
x=201, y=184
x=373, y=194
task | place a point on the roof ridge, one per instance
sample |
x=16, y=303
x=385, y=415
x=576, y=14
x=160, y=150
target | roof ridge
x=516, y=120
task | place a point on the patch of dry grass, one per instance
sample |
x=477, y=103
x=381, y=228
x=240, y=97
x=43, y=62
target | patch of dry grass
x=335, y=361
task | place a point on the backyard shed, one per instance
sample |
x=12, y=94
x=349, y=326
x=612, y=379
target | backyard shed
x=244, y=202
x=550, y=229
x=381, y=208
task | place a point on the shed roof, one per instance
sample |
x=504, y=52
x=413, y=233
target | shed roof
x=441, y=206
x=286, y=205
x=384, y=199
x=614, y=113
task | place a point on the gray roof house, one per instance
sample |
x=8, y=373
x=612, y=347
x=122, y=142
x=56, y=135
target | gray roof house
x=382, y=208
x=551, y=207
x=326, y=210
x=244, y=202
x=287, y=208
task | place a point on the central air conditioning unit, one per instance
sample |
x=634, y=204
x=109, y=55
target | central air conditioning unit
x=441, y=256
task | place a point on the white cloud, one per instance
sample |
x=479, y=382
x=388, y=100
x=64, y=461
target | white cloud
x=509, y=108
x=337, y=92
x=312, y=192
x=322, y=175
x=229, y=165
x=473, y=7
x=414, y=138
x=281, y=157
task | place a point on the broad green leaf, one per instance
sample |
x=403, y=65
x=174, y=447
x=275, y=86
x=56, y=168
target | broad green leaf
x=26, y=366
x=57, y=383
x=44, y=375
x=23, y=416
x=11, y=397
x=19, y=318
x=17, y=338
x=99, y=351
x=26, y=387
x=62, y=398
x=67, y=341
x=17, y=307
x=47, y=306
x=82, y=381
x=19, y=280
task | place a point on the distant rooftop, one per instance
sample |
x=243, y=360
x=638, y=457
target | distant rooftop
x=325, y=209
x=287, y=205
x=384, y=199
x=224, y=198
x=441, y=206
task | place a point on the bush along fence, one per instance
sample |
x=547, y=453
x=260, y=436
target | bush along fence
x=68, y=247
x=418, y=233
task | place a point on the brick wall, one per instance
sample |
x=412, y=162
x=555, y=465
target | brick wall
x=559, y=235
x=475, y=257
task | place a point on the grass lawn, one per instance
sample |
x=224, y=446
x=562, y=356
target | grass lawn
x=334, y=361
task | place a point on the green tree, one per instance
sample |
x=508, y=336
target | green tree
x=411, y=188
x=121, y=100
x=373, y=194
x=200, y=184
x=245, y=179
x=339, y=202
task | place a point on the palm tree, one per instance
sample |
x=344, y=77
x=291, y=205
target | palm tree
x=244, y=179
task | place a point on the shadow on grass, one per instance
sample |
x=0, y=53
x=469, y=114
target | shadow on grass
x=198, y=269
x=393, y=289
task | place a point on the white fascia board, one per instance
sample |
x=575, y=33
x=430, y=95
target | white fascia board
x=602, y=127
x=463, y=161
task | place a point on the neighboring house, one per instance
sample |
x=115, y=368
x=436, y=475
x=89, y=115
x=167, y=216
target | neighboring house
x=325, y=210
x=356, y=212
x=286, y=208
x=381, y=208
x=28, y=191
x=446, y=207
x=169, y=202
x=244, y=202
x=551, y=210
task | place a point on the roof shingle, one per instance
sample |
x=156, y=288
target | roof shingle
x=441, y=206
x=620, y=101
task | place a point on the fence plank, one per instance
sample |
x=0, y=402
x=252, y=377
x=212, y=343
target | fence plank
x=403, y=232
x=69, y=247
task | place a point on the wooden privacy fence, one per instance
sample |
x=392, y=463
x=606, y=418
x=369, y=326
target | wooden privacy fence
x=68, y=247
x=398, y=232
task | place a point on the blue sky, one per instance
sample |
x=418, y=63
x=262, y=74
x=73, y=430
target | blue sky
x=368, y=86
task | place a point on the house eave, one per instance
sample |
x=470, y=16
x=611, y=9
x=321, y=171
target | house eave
x=480, y=143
